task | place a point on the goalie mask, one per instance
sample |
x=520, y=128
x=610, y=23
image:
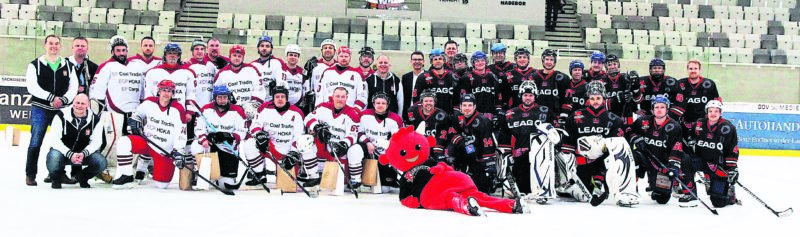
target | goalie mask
x=528, y=87
x=596, y=88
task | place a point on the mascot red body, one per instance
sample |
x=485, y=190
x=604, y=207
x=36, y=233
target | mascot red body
x=431, y=185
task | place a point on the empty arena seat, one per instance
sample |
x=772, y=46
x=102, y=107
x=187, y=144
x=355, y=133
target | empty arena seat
x=151, y=18
x=630, y=51
x=697, y=25
x=460, y=30
x=438, y=29
x=635, y=22
x=651, y=23
x=619, y=22
x=592, y=35
x=167, y=18
x=391, y=42
x=720, y=11
x=521, y=32
x=735, y=12
x=473, y=30
x=172, y=5
x=356, y=41
x=624, y=36
x=391, y=27
x=290, y=37
x=675, y=10
x=656, y=37
x=46, y=12
x=760, y=27
x=704, y=39
x=488, y=31
x=681, y=24
x=139, y=4
x=131, y=16
x=744, y=27
x=602, y=21
x=505, y=31
x=778, y=56
x=108, y=4
x=241, y=21
x=660, y=10
x=80, y=14
x=305, y=38
x=408, y=28
x=291, y=23
x=374, y=40
x=672, y=38
x=408, y=43
x=705, y=11
x=155, y=5
x=769, y=42
x=425, y=43
x=358, y=26
x=641, y=37
x=720, y=39
x=90, y=30
x=727, y=55
x=27, y=12
x=630, y=9
x=666, y=23
x=761, y=56
x=274, y=22
x=321, y=36
x=54, y=27
x=695, y=52
x=727, y=25
x=775, y=28
x=689, y=39
x=537, y=32
x=257, y=22
x=374, y=26
x=341, y=38
x=646, y=51
x=423, y=28
x=614, y=8
x=607, y=36
x=744, y=55
x=107, y=30
x=663, y=52
x=324, y=24
x=125, y=30
x=713, y=25
x=679, y=53
x=308, y=24
x=115, y=16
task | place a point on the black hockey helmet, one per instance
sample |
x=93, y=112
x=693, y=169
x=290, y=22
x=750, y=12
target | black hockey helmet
x=427, y=93
x=549, y=53
x=522, y=51
x=468, y=98
x=381, y=95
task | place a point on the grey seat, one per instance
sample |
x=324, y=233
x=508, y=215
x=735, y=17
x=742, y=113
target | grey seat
x=705, y=11
x=775, y=28
x=588, y=21
x=778, y=56
x=131, y=16
x=320, y=36
x=358, y=26
x=341, y=25
x=109, y=3
x=391, y=42
x=684, y=2
x=761, y=56
x=106, y=31
x=148, y=18
x=608, y=36
x=613, y=49
x=663, y=52
x=596, y=46
x=794, y=14
x=769, y=42
x=505, y=31
x=63, y=13
x=651, y=23
x=90, y=30
x=120, y=4
x=660, y=10
x=276, y=22
x=743, y=3
x=536, y=32
x=720, y=40
x=636, y=22
x=19, y=1
x=223, y=34
x=46, y=13
x=704, y=39
x=438, y=29
x=72, y=29
x=172, y=5
x=619, y=22
x=457, y=30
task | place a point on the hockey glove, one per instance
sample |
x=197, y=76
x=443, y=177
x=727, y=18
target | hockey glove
x=562, y=118
x=638, y=142
x=733, y=175
x=674, y=169
x=323, y=132
x=221, y=137
x=633, y=75
x=496, y=118
x=290, y=159
x=135, y=126
x=491, y=168
x=628, y=97
x=339, y=148
x=262, y=141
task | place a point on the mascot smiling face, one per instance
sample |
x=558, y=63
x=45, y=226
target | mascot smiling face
x=407, y=149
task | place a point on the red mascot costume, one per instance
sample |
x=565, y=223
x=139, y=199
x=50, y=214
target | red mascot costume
x=435, y=186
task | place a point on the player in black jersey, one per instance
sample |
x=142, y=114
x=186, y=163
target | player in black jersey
x=482, y=84
x=476, y=157
x=693, y=94
x=620, y=88
x=575, y=95
x=461, y=67
x=514, y=77
x=714, y=150
x=658, y=137
x=437, y=124
x=657, y=83
x=550, y=82
x=440, y=81
x=595, y=71
x=500, y=65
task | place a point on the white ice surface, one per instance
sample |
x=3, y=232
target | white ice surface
x=146, y=211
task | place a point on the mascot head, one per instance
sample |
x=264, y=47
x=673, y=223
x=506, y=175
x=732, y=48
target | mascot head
x=407, y=149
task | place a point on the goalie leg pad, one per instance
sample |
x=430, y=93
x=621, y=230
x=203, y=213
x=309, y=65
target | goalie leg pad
x=542, y=168
x=620, y=174
x=567, y=164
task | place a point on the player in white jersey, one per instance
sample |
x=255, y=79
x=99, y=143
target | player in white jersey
x=145, y=61
x=291, y=75
x=228, y=126
x=275, y=131
x=335, y=127
x=116, y=87
x=205, y=71
x=242, y=79
x=377, y=126
x=158, y=125
x=267, y=64
x=312, y=73
x=342, y=75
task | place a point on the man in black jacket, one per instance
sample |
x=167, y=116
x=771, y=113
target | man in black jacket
x=409, y=80
x=83, y=67
x=52, y=84
x=76, y=141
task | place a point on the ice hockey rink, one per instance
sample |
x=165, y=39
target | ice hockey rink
x=146, y=211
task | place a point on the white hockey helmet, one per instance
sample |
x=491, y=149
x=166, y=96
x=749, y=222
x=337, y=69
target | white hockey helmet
x=714, y=104
x=293, y=48
x=115, y=41
x=305, y=144
x=328, y=42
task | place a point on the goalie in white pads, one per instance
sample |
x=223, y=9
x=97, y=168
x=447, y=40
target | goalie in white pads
x=161, y=121
x=597, y=134
x=228, y=122
x=335, y=127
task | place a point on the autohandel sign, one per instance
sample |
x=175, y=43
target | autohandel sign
x=765, y=126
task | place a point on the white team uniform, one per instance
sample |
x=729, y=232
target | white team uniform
x=293, y=81
x=350, y=79
x=373, y=129
x=230, y=121
x=269, y=70
x=282, y=129
x=141, y=65
x=205, y=71
x=316, y=76
x=245, y=83
x=343, y=127
x=165, y=128
x=182, y=76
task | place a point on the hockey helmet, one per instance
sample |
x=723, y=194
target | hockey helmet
x=522, y=51
x=598, y=56
x=328, y=42
x=575, y=64
x=236, y=49
x=381, y=95
x=468, y=98
x=279, y=89
x=714, y=104
x=264, y=38
x=596, y=88
x=117, y=41
x=660, y=99
x=437, y=52
x=498, y=47
x=427, y=93
x=198, y=42
x=166, y=84
x=549, y=53
x=657, y=62
x=460, y=57
x=343, y=49
x=293, y=48
x=221, y=90
x=366, y=50
x=612, y=58
x=173, y=48
x=528, y=87
x=478, y=55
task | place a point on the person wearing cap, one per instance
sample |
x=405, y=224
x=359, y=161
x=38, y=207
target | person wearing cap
x=443, y=83
x=184, y=93
x=714, y=150
x=376, y=128
x=165, y=132
x=52, y=84
x=205, y=71
x=476, y=155
x=243, y=79
x=366, y=56
x=410, y=79
x=344, y=76
x=312, y=73
x=117, y=88
x=658, y=137
x=483, y=85
x=384, y=81
x=267, y=64
x=438, y=123
x=291, y=75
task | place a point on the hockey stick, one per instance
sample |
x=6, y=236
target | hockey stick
x=228, y=146
x=712, y=210
x=346, y=175
x=272, y=158
x=168, y=154
x=783, y=213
